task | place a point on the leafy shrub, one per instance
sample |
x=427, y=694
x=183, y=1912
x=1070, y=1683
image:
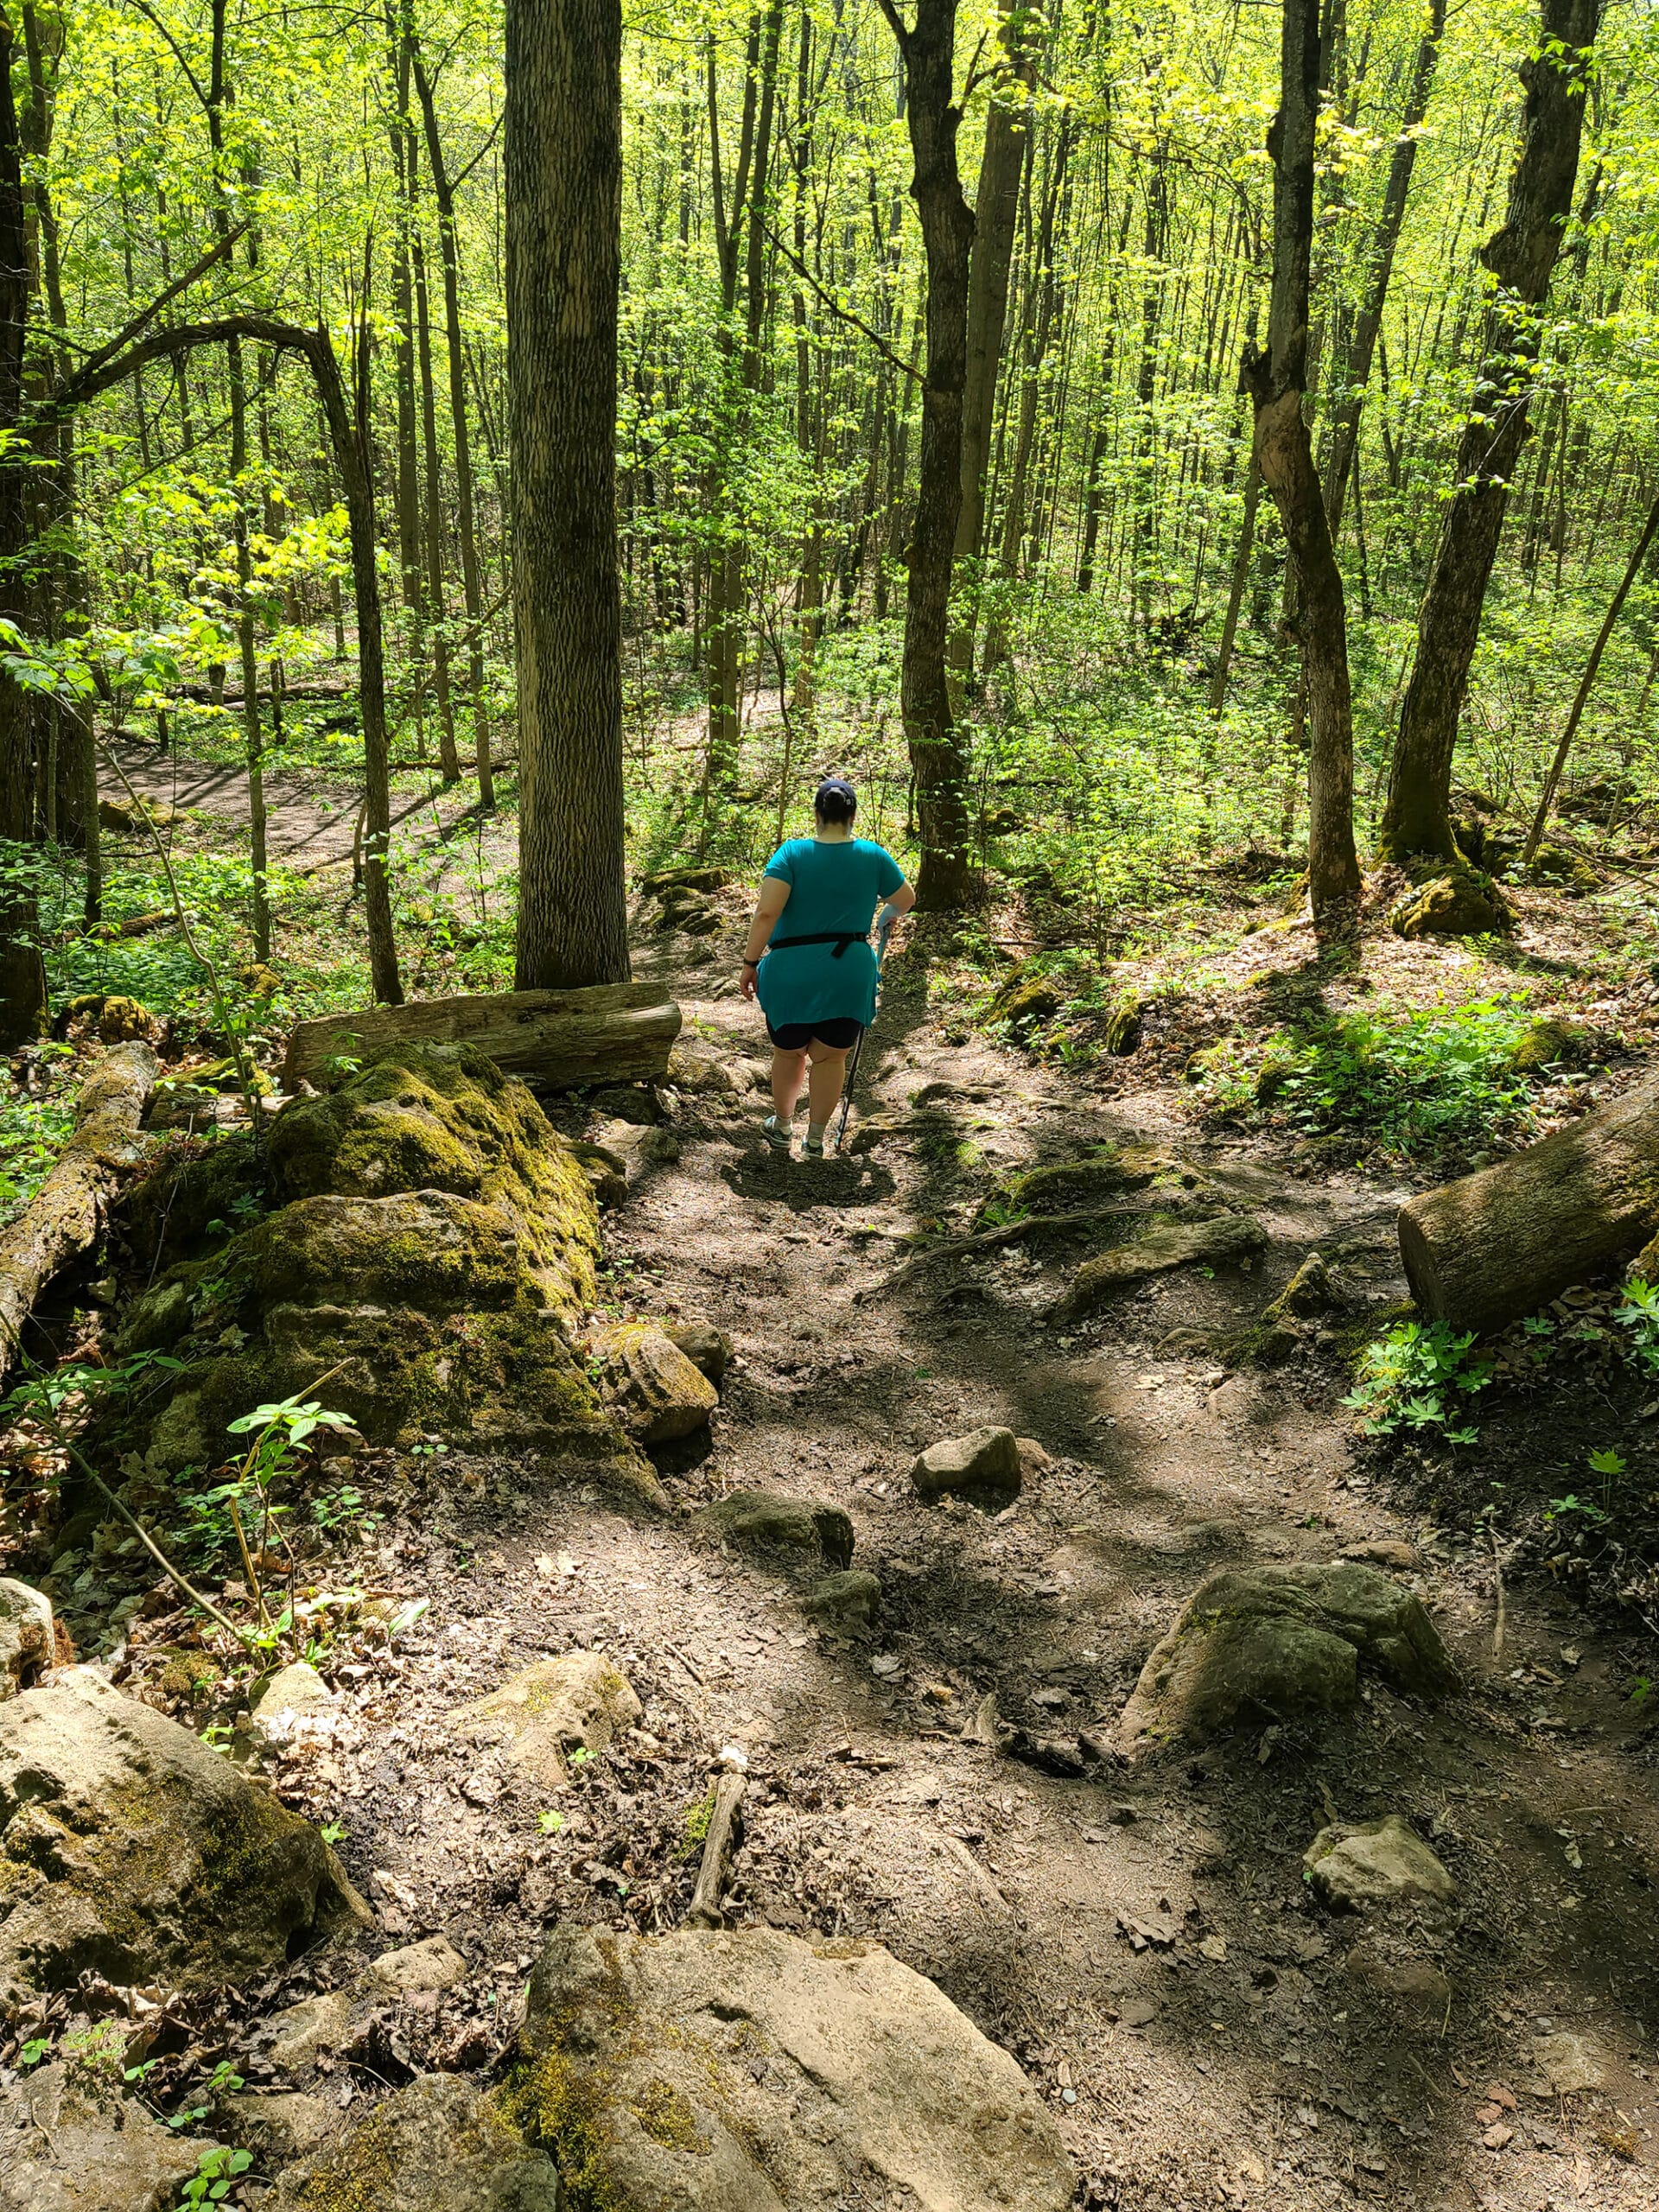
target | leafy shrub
x=1411, y=1377
x=1637, y=1312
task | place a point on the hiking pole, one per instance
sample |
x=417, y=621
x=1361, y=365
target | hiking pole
x=882, y=936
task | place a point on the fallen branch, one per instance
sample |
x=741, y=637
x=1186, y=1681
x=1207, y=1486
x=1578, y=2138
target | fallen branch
x=63, y=1219
x=725, y=1833
x=985, y=1240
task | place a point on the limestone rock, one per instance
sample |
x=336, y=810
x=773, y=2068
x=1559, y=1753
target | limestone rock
x=763, y=1521
x=1459, y=903
x=134, y=1849
x=70, y=2142
x=1383, y=1551
x=1307, y=1293
x=439, y=2145
x=1234, y=1240
x=294, y=1697
x=1568, y=2064
x=1026, y=997
x=556, y=1707
x=1550, y=1044
x=1278, y=1642
x=709, y=1349
x=607, y=1172
x=1356, y=1866
x=850, y=1600
x=982, y=1467
x=1559, y=864
x=1417, y=1985
x=746, y=2071
x=639, y=1147
x=301, y=2031
x=1099, y=1180
x=28, y=1640
x=282, y=2124
x=635, y=1104
x=650, y=1385
x=691, y=1070
x=434, y=1964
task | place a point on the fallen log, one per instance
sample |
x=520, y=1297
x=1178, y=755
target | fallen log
x=1481, y=1251
x=612, y=1032
x=63, y=1219
x=725, y=1832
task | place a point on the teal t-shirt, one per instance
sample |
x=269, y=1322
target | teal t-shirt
x=831, y=886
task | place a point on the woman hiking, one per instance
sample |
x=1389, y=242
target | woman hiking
x=809, y=959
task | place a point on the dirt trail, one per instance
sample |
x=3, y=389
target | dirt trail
x=1142, y=1939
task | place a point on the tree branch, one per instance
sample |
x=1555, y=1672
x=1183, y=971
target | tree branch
x=893, y=360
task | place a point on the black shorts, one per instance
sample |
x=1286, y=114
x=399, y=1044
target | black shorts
x=839, y=1032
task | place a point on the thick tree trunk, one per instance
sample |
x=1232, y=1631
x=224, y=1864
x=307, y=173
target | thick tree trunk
x=1275, y=381
x=614, y=1033
x=63, y=1219
x=564, y=226
x=1350, y=375
x=1480, y=1252
x=938, y=751
x=1417, y=817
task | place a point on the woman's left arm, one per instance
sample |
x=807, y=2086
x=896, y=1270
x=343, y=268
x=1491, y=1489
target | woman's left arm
x=774, y=897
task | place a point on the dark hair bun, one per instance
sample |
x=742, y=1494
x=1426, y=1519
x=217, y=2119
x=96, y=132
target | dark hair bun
x=834, y=800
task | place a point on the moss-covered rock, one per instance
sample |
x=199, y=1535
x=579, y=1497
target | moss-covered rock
x=1454, y=902
x=1280, y=1643
x=1565, y=869
x=1087, y=1184
x=760, y=1520
x=1234, y=1240
x=1307, y=1293
x=1027, y=996
x=851, y=1600
x=1550, y=1043
x=650, y=1384
x=1121, y=1034
x=441, y=1117
x=439, y=2145
x=541, y=1715
x=130, y=1848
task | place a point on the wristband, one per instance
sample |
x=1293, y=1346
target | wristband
x=752, y=963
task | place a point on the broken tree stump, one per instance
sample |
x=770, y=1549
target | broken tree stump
x=1481, y=1251
x=612, y=1032
x=64, y=1215
x=725, y=1833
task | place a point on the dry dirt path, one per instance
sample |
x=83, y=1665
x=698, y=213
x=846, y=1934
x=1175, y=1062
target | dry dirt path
x=1143, y=1939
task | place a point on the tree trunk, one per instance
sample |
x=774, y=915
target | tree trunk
x=1350, y=376
x=1417, y=817
x=1235, y=587
x=63, y=1219
x=1276, y=380
x=466, y=515
x=23, y=976
x=564, y=217
x=938, y=751
x=1483, y=1250
x=448, y=758
x=996, y=210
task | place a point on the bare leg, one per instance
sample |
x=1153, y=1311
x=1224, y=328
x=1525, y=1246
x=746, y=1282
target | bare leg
x=823, y=1084
x=788, y=1073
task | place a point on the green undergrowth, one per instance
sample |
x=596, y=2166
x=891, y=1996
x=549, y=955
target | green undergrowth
x=1417, y=1084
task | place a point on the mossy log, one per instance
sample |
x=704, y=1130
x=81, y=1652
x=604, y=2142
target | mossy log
x=1481, y=1251
x=553, y=1040
x=63, y=1219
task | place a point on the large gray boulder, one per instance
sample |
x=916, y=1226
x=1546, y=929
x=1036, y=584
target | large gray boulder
x=70, y=2142
x=746, y=2071
x=1280, y=1642
x=439, y=2145
x=131, y=1848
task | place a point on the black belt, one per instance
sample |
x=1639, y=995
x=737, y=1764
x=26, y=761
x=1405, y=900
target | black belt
x=840, y=938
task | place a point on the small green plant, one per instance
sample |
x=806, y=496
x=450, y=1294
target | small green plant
x=332, y=1831
x=1608, y=1463
x=1563, y=1508
x=579, y=1756
x=1638, y=1314
x=549, y=1823
x=1412, y=1377
x=280, y=1431
x=34, y=2051
x=217, y=2173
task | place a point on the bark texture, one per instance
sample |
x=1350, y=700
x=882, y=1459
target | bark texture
x=563, y=224
x=1276, y=380
x=612, y=1032
x=63, y=1219
x=1520, y=257
x=938, y=753
x=1481, y=1251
